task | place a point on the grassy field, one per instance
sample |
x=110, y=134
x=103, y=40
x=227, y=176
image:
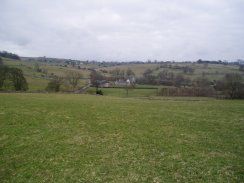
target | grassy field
x=83, y=138
x=122, y=92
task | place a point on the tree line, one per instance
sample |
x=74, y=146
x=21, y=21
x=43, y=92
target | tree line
x=177, y=84
x=9, y=55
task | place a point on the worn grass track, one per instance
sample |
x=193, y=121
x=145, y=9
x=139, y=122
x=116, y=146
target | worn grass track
x=82, y=138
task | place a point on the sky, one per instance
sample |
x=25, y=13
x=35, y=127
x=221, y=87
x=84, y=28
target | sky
x=124, y=30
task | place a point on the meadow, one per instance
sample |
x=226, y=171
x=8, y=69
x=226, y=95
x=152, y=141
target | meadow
x=84, y=138
x=123, y=92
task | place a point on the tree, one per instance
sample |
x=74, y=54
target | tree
x=148, y=77
x=1, y=62
x=9, y=55
x=203, y=87
x=202, y=82
x=165, y=75
x=54, y=85
x=37, y=67
x=129, y=86
x=18, y=79
x=188, y=70
x=234, y=85
x=95, y=77
x=73, y=78
x=117, y=73
x=99, y=92
x=3, y=74
x=241, y=68
x=179, y=79
x=130, y=73
x=13, y=78
x=147, y=73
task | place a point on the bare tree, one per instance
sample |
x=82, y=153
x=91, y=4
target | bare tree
x=55, y=84
x=73, y=78
x=130, y=85
x=234, y=85
x=129, y=73
x=1, y=61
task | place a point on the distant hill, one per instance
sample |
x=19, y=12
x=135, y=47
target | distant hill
x=40, y=70
x=51, y=60
x=210, y=71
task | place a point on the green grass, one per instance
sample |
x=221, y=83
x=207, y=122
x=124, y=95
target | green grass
x=83, y=138
x=36, y=84
x=122, y=92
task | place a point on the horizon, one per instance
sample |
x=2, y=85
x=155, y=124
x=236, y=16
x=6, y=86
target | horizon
x=144, y=61
x=128, y=61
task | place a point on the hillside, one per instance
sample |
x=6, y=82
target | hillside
x=210, y=71
x=39, y=71
x=38, y=78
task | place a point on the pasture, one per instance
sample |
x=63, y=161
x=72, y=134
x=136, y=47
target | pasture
x=84, y=138
x=124, y=92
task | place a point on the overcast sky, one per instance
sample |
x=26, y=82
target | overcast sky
x=124, y=30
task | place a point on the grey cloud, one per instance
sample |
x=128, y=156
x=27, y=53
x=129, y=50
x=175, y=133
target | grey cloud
x=124, y=29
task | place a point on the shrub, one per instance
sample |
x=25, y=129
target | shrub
x=54, y=85
x=99, y=92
